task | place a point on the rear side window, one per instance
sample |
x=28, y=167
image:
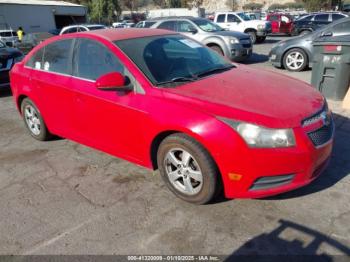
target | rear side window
x=221, y=19
x=306, y=18
x=337, y=16
x=36, y=60
x=93, y=60
x=274, y=18
x=322, y=18
x=168, y=25
x=71, y=30
x=57, y=57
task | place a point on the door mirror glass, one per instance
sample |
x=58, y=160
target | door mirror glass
x=113, y=82
x=192, y=30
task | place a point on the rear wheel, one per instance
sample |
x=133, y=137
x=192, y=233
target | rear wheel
x=34, y=121
x=187, y=169
x=295, y=60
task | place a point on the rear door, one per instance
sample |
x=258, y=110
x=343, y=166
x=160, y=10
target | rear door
x=51, y=81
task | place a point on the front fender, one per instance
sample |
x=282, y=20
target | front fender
x=217, y=40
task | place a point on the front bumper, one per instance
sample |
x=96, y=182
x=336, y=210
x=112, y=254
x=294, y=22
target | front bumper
x=239, y=52
x=275, y=57
x=302, y=164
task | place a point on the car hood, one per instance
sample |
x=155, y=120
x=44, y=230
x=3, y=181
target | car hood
x=235, y=34
x=9, y=52
x=251, y=95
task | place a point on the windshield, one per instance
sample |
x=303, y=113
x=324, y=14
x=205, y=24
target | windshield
x=172, y=59
x=207, y=26
x=244, y=16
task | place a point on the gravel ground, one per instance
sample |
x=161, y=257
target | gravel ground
x=59, y=197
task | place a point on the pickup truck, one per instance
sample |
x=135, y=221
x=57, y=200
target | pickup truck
x=257, y=29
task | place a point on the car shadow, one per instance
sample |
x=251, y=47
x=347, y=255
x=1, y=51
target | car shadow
x=338, y=168
x=5, y=91
x=256, y=59
x=290, y=242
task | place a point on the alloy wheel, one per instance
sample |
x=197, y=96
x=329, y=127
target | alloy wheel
x=295, y=60
x=32, y=120
x=183, y=171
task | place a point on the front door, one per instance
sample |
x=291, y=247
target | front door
x=107, y=120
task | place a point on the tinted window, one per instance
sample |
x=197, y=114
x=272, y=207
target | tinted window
x=71, y=30
x=306, y=18
x=36, y=60
x=57, y=57
x=168, y=25
x=337, y=16
x=232, y=18
x=221, y=19
x=184, y=26
x=322, y=18
x=93, y=60
x=274, y=18
x=342, y=27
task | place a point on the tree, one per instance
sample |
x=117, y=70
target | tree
x=253, y=6
x=316, y=5
x=104, y=11
x=276, y=7
x=232, y=4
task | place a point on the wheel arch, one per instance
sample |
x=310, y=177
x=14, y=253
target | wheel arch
x=250, y=29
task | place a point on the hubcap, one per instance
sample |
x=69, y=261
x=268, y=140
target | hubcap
x=183, y=171
x=295, y=60
x=32, y=120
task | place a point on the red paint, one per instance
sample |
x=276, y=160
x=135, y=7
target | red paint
x=281, y=23
x=125, y=124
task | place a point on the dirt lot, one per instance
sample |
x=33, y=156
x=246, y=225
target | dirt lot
x=63, y=198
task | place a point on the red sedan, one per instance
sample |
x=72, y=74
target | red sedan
x=164, y=101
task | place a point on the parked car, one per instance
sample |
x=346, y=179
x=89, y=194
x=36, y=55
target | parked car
x=124, y=24
x=8, y=57
x=163, y=101
x=81, y=28
x=31, y=40
x=297, y=53
x=346, y=8
x=9, y=37
x=312, y=22
x=235, y=46
x=281, y=23
x=145, y=24
x=257, y=29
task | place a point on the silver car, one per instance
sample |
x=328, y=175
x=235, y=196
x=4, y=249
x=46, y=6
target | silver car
x=234, y=45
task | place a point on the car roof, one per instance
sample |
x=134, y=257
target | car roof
x=117, y=34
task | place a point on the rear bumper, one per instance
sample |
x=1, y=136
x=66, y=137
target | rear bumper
x=302, y=164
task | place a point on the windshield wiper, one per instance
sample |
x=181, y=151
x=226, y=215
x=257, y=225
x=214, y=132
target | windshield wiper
x=178, y=80
x=214, y=71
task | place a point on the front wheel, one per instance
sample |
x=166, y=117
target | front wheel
x=34, y=121
x=187, y=169
x=252, y=35
x=295, y=60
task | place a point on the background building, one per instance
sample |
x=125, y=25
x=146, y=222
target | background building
x=39, y=16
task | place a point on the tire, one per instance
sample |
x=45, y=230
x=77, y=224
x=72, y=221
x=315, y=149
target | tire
x=260, y=39
x=34, y=121
x=253, y=36
x=200, y=171
x=295, y=60
x=217, y=49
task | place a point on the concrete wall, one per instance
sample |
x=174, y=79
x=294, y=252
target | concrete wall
x=35, y=18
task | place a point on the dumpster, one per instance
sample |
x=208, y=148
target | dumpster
x=331, y=66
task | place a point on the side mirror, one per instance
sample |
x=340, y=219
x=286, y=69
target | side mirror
x=192, y=30
x=114, y=82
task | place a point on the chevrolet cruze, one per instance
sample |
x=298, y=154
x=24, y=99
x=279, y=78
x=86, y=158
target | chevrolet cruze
x=164, y=101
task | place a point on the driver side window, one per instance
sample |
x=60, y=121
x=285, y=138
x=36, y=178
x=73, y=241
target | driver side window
x=233, y=19
x=92, y=60
x=185, y=27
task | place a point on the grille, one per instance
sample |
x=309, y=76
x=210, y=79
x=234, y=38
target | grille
x=323, y=135
x=246, y=43
x=271, y=182
x=315, y=117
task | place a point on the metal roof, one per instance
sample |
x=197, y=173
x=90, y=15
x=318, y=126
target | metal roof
x=38, y=2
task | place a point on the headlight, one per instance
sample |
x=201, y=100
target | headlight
x=234, y=40
x=261, y=137
x=18, y=59
x=261, y=27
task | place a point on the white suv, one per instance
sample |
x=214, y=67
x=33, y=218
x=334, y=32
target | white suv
x=9, y=37
x=257, y=29
x=80, y=28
